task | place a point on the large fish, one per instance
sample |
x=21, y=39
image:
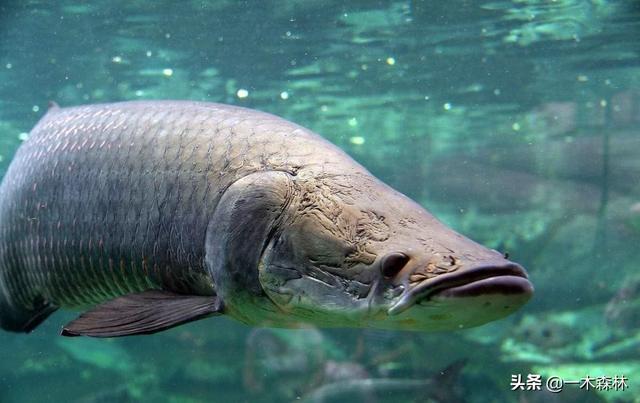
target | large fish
x=151, y=214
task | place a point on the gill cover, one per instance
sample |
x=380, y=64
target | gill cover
x=245, y=218
x=324, y=264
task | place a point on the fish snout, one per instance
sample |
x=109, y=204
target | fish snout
x=483, y=278
x=495, y=277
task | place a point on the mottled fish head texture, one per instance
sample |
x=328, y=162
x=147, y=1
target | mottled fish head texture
x=350, y=251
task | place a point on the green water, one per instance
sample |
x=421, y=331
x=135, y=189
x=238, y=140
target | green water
x=515, y=122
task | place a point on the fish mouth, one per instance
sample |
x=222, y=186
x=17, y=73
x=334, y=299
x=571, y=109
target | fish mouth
x=487, y=278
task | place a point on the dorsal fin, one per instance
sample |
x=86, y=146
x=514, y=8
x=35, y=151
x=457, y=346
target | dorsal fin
x=52, y=106
x=142, y=313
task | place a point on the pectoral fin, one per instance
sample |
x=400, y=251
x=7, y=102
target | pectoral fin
x=143, y=313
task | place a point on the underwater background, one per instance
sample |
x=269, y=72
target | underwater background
x=516, y=122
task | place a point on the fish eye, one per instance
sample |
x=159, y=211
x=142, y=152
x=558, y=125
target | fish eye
x=393, y=263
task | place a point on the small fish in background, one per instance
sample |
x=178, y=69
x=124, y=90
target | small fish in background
x=152, y=214
x=441, y=387
x=306, y=366
x=551, y=332
x=285, y=363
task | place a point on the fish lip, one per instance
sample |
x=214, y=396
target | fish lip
x=468, y=278
x=504, y=285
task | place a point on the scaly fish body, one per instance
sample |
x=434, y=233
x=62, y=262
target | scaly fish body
x=111, y=200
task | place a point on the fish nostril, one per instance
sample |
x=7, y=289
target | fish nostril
x=393, y=263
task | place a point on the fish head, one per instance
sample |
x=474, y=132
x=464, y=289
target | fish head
x=353, y=252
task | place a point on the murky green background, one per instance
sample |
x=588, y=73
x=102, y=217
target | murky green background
x=516, y=122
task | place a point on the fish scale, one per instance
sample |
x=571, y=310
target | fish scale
x=122, y=192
